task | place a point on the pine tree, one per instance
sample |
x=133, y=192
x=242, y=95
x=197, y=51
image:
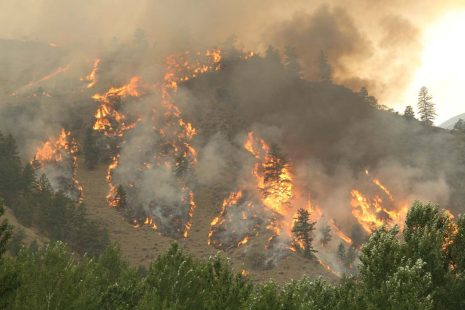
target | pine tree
x=5, y=231
x=29, y=179
x=366, y=98
x=182, y=166
x=341, y=252
x=292, y=63
x=273, y=172
x=408, y=113
x=326, y=236
x=426, y=107
x=350, y=257
x=10, y=169
x=325, y=70
x=459, y=127
x=91, y=155
x=303, y=231
x=121, y=198
x=272, y=56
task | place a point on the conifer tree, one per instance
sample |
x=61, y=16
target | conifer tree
x=274, y=168
x=121, y=198
x=5, y=231
x=29, y=178
x=292, y=63
x=325, y=70
x=350, y=257
x=91, y=155
x=326, y=236
x=10, y=169
x=303, y=231
x=341, y=252
x=426, y=107
x=366, y=98
x=459, y=127
x=408, y=113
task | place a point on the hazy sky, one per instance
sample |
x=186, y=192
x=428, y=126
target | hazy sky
x=392, y=47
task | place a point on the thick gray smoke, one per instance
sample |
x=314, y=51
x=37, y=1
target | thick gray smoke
x=329, y=135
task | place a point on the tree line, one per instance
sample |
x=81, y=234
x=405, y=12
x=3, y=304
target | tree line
x=35, y=204
x=422, y=267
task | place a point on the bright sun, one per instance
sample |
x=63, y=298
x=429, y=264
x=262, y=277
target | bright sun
x=442, y=67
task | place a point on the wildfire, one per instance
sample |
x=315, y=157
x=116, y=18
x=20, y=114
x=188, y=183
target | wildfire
x=173, y=151
x=381, y=209
x=47, y=77
x=57, y=159
x=108, y=118
x=272, y=195
x=91, y=78
x=272, y=175
x=339, y=233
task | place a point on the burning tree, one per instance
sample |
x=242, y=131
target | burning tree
x=277, y=184
x=378, y=209
x=156, y=176
x=303, y=233
x=56, y=158
x=240, y=219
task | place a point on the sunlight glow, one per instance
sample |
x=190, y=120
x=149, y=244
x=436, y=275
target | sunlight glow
x=442, y=67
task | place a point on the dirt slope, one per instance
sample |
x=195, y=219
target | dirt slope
x=141, y=245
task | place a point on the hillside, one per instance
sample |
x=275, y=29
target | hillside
x=449, y=124
x=141, y=245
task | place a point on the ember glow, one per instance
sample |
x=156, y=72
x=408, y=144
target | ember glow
x=381, y=208
x=56, y=158
x=91, y=78
x=172, y=153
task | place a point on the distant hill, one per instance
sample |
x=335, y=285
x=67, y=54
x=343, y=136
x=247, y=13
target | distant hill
x=449, y=124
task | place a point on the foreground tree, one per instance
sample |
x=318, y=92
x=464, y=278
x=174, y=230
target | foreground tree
x=303, y=233
x=426, y=107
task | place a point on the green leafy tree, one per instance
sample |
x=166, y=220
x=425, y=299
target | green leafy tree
x=426, y=107
x=408, y=113
x=303, y=233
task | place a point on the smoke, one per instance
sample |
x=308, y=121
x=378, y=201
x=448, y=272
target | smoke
x=360, y=37
x=329, y=136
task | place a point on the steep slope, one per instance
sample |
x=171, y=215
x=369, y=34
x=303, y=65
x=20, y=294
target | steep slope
x=141, y=245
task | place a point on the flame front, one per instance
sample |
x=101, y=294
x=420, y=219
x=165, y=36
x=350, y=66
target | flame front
x=57, y=160
x=91, y=78
x=372, y=213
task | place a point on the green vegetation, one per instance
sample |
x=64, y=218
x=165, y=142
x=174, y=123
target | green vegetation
x=303, y=233
x=35, y=204
x=426, y=107
x=422, y=268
